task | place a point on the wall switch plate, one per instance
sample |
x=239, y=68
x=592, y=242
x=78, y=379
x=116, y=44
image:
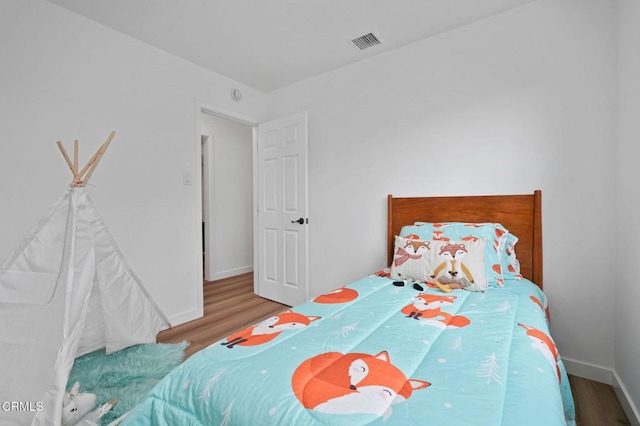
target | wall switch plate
x=186, y=178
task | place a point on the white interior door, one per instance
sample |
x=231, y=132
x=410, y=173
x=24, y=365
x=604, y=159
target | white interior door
x=281, y=246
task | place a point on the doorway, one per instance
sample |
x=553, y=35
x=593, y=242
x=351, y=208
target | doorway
x=279, y=245
x=227, y=196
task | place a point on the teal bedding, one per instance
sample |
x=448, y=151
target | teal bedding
x=375, y=353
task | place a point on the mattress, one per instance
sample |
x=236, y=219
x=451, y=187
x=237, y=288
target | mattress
x=374, y=352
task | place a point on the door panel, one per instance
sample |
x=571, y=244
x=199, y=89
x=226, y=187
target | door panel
x=282, y=196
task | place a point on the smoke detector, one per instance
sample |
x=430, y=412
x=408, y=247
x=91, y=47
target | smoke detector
x=365, y=41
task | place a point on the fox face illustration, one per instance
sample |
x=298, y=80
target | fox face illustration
x=413, y=249
x=340, y=295
x=351, y=383
x=543, y=343
x=453, y=251
x=269, y=329
x=426, y=307
x=452, y=269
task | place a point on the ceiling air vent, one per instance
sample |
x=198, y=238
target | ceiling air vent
x=365, y=41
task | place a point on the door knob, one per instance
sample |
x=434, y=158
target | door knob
x=300, y=221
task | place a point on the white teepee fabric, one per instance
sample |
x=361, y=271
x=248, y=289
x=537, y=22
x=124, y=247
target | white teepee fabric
x=66, y=291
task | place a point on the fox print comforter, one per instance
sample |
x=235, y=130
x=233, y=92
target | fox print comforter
x=375, y=353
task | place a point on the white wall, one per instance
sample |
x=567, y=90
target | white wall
x=65, y=77
x=232, y=201
x=627, y=342
x=521, y=101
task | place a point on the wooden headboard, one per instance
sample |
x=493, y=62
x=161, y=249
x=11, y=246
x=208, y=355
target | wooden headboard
x=520, y=214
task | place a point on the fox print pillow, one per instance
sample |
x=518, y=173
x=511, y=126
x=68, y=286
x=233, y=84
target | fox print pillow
x=493, y=233
x=410, y=259
x=461, y=262
x=510, y=264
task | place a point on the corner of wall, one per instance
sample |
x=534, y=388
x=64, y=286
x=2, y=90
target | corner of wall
x=609, y=377
x=628, y=406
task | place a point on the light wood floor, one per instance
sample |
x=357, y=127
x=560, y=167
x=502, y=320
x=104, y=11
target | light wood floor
x=596, y=403
x=230, y=305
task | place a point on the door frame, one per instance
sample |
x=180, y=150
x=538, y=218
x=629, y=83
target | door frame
x=206, y=108
x=207, y=203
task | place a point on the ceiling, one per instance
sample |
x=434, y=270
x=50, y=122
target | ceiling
x=269, y=44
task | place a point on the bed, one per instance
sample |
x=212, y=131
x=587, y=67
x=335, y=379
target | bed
x=392, y=350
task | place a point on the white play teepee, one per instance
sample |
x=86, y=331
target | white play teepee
x=66, y=291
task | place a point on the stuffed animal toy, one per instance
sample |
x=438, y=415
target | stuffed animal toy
x=76, y=404
x=93, y=418
x=79, y=408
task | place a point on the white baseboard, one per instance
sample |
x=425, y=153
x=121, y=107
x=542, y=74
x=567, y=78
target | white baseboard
x=198, y=312
x=627, y=404
x=588, y=371
x=608, y=376
x=186, y=316
x=232, y=272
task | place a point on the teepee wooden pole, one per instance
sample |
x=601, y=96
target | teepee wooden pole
x=86, y=166
x=76, y=153
x=66, y=158
x=82, y=177
x=97, y=157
